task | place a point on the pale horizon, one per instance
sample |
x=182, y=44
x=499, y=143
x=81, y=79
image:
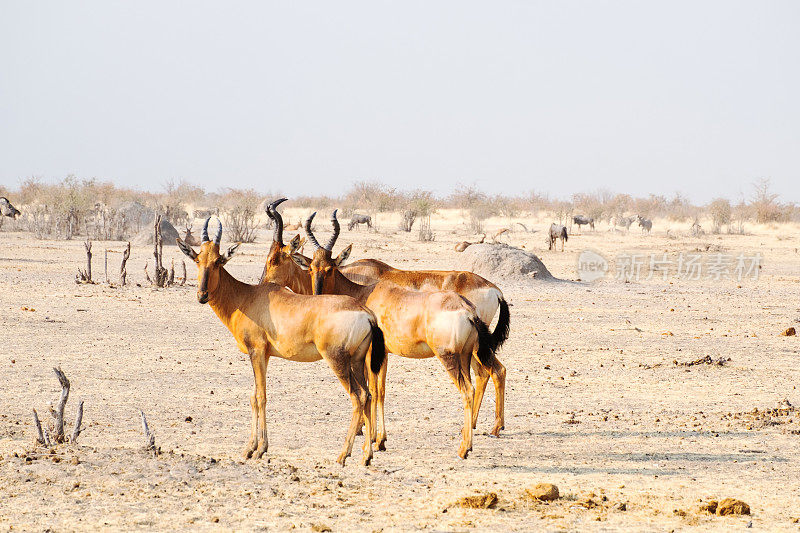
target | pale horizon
x=304, y=99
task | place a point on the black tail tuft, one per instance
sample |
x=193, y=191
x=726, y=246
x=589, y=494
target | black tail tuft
x=500, y=333
x=565, y=234
x=378, y=350
x=485, y=352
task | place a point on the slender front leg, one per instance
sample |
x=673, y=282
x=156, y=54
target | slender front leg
x=253, y=442
x=261, y=401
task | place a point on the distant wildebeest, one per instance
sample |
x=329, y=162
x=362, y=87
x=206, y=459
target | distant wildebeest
x=581, y=220
x=359, y=219
x=8, y=210
x=622, y=222
x=644, y=223
x=557, y=231
x=460, y=247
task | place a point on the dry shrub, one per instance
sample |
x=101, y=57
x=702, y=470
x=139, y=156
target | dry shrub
x=720, y=211
x=238, y=208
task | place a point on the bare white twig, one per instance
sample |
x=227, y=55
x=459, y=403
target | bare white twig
x=150, y=438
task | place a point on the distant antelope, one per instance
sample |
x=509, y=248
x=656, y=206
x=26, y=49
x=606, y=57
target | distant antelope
x=645, y=224
x=190, y=239
x=359, y=219
x=499, y=233
x=581, y=220
x=8, y=210
x=463, y=245
x=268, y=320
x=487, y=298
x=557, y=231
x=416, y=324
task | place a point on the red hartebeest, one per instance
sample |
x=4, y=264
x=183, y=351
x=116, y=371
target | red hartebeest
x=268, y=320
x=484, y=295
x=416, y=324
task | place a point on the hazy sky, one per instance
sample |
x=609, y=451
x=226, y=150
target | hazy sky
x=306, y=96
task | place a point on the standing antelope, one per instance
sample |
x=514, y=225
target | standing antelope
x=268, y=320
x=557, y=232
x=416, y=324
x=483, y=294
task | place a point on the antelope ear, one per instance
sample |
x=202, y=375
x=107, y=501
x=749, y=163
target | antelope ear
x=224, y=258
x=186, y=249
x=302, y=261
x=343, y=256
x=294, y=244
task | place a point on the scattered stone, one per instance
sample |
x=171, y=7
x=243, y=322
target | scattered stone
x=709, y=507
x=679, y=512
x=320, y=528
x=732, y=506
x=790, y=332
x=479, y=501
x=545, y=492
x=621, y=506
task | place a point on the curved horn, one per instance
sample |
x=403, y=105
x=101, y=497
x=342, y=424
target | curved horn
x=218, y=236
x=277, y=236
x=335, y=235
x=205, y=231
x=308, y=231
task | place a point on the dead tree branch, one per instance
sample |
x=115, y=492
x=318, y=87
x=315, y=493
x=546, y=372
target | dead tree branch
x=123, y=271
x=85, y=276
x=62, y=402
x=78, y=419
x=39, y=432
x=149, y=437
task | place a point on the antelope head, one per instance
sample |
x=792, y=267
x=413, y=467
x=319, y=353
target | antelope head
x=280, y=268
x=208, y=260
x=322, y=266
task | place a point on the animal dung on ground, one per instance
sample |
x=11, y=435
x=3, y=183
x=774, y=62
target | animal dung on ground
x=728, y=506
x=544, y=492
x=479, y=501
x=503, y=262
x=790, y=332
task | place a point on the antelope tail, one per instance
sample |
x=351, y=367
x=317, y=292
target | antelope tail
x=378, y=350
x=500, y=333
x=565, y=234
x=485, y=352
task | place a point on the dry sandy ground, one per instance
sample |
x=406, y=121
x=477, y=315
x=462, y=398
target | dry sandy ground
x=595, y=402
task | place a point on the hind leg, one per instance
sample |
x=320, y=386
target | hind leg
x=498, y=372
x=457, y=367
x=481, y=380
x=350, y=372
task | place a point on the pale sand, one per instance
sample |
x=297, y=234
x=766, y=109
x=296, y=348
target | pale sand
x=646, y=433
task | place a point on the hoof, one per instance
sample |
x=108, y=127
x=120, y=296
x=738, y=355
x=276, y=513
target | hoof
x=258, y=454
x=382, y=445
x=342, y=458
x=366, y=460
x=463, y=451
